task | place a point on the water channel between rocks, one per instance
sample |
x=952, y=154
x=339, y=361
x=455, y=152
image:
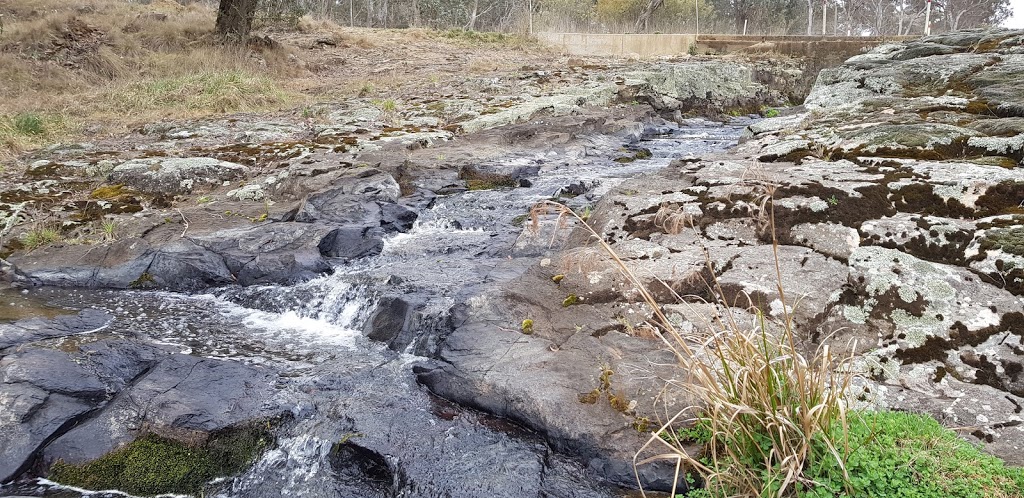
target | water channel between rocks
x=345, y=385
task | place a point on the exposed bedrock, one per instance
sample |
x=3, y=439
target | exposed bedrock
x=209, y=203
x=78, y=402
x=895, y=198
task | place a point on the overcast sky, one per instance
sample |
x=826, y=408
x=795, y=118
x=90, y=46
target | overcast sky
x=1017, y=21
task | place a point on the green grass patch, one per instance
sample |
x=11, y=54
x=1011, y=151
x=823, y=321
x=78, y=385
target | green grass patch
x=892, y=454
x=29, y=129
x=28, y=123
x=212, y=92
x=39, y=237
x=153, y=465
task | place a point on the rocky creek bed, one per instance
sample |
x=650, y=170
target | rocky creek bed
x=357, y=287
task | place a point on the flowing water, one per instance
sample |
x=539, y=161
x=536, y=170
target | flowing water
x=350, y=386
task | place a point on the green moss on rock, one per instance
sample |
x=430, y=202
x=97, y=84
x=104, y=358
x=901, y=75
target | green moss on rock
x=1009, y=240
x=153, y=465
x=479, y=180
x=107, y=192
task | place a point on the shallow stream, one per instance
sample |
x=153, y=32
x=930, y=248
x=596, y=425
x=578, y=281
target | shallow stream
x=350, y=386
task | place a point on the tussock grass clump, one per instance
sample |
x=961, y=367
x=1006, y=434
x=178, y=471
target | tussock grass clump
x=28, y=123
x=28, y=129
x=767, y=409
x=39, y=237
x=771, y=419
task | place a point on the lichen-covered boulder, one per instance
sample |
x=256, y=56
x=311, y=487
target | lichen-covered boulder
x=175, y=175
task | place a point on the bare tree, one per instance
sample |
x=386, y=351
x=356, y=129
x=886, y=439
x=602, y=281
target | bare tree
x=810, y=17
x=962, y=14
x=645, y=15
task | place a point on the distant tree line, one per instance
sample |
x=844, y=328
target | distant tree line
x=770, y=17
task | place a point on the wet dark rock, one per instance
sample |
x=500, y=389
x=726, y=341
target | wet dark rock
x=44, y=392
x=35, y=329
x=51, y=371
x=421, y=199
x=376, y=433
x=32, y=416
x=352, y=243
x=10, y=275
x=389, y=321
x=285, y=252
x=183, y=264
x=359, y=469
x=573, y=190
x=114, y=265
x=274, y=252
x=352, y=197
x=538, y=380
x=182, y=398
x=397, y=217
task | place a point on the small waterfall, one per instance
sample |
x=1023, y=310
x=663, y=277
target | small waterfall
x=341, y=299
x=296, y=467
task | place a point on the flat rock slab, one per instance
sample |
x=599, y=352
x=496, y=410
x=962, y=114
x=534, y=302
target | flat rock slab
x=43, y=392
x=175, y=175
x=35, y=329
x=183, y=398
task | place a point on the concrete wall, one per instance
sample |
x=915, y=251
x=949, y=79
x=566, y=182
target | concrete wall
x=646, y=46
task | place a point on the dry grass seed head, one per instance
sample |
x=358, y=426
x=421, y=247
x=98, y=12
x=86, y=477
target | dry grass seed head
x=673, y=219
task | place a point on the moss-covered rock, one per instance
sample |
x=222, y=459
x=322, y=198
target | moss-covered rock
x=1009, y=240
x=153, y=465
x=481, y=180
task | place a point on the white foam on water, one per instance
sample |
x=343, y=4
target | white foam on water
x=412, y=241
x=295, y=463
x=331, y=324
x=85, y=492
x=290, y=327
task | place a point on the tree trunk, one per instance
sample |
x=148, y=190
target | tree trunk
x=415, y=13
x=234, y=19
x=471, y=25
x=810, y=17
x=643, y=21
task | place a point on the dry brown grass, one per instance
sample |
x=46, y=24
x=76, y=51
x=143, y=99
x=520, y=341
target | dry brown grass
x=107, y=66
x=120, y=63
x=763, y=405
